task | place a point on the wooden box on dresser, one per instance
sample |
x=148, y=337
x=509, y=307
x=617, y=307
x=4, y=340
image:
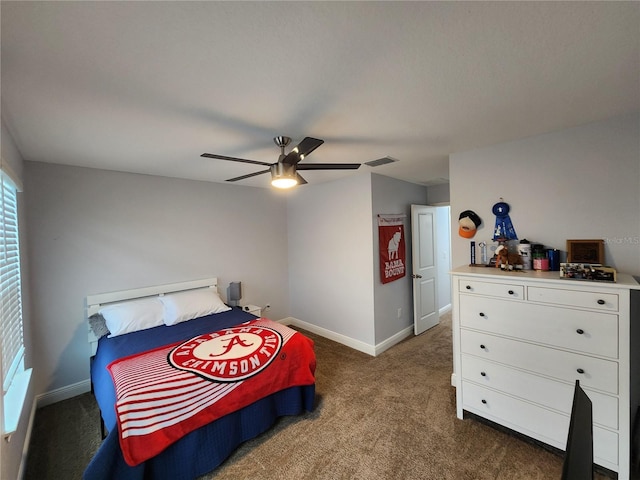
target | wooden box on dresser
x=521, y=339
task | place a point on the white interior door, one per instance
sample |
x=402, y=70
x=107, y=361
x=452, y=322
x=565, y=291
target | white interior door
x=426, y=313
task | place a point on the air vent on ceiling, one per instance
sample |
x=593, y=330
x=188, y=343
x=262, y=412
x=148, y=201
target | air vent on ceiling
x=381, y=161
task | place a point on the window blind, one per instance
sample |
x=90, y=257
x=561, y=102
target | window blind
x=11, y=335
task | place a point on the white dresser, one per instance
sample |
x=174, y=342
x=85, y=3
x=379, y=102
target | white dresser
x=521, y=339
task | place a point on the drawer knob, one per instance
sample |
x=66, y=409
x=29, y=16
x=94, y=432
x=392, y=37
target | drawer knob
x=580, y=371
x=484, y=401
x=601, y=302
x=482, y=346
x=481, y=314
x=483, y=374
x=579, y=331
x=468, y=287
x=510, y=292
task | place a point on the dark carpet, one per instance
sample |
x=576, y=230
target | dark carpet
x=386, y=417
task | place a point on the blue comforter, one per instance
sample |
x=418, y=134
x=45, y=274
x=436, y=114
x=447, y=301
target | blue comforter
x=202, y=450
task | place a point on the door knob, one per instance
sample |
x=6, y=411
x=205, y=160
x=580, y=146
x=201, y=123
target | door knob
x=414, y=275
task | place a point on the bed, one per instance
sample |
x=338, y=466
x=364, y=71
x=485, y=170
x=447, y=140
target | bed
x=204, y=440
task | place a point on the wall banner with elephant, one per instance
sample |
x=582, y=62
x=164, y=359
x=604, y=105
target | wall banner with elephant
x=393, y=254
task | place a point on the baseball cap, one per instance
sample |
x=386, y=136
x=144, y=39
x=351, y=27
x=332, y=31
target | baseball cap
x=469, y=221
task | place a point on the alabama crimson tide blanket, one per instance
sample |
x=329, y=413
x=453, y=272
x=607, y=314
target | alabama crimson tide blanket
x=165, y=393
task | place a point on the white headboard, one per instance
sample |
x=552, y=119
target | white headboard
x=94, y=302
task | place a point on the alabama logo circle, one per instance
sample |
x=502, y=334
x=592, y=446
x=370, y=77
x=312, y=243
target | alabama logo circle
x=230, y=355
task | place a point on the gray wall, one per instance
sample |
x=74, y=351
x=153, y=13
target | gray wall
x=11, y=452
x=393, y=196
x=334, y=263
x=91, y=231
x=578, y=183
x=330, y=267
x=438, y=194
x=94, y=231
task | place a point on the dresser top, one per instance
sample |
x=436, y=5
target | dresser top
x=624, y=281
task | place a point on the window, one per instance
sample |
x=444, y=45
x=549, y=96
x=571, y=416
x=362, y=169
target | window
x=14, y=378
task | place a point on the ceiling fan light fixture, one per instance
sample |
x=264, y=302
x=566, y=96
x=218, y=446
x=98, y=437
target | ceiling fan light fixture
x=284, y=182
x=283, y=175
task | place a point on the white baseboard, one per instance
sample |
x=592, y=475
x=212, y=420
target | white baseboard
x=63, y=393
x=336, y=337
x=27, y=440
x=393, y=340
x=372, y=350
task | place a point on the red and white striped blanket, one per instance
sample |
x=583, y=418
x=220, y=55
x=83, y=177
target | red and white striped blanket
x=166, y=393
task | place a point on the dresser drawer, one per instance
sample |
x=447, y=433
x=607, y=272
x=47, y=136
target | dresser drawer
x=537, y=389
x=589, y=332
x=574, y=298
x=532, y=420
x=525, y=417
x=503, y=290
x=596, y=373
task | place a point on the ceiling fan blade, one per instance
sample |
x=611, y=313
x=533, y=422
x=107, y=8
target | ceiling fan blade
x=327, y=166
x=235, y=179
x=304, y=148
x=301, y=180
x=233, y=159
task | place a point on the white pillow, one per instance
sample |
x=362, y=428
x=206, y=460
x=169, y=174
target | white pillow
x=183, y=306
x=132, y=316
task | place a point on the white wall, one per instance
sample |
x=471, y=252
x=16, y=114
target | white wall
x=11, y=453
x=330, y=267
x=10, y=155
x=440, y=195
x=392, y=196
x=443, y=252
x=95, y=231
x=578, y=183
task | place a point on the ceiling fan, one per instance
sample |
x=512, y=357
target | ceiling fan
x=284, y=172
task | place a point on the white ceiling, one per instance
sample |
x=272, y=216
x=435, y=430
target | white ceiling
x=147, y=87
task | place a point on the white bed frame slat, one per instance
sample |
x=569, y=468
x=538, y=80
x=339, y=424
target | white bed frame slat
x=96, y=301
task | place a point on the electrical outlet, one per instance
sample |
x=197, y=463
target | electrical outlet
x=400, y=312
